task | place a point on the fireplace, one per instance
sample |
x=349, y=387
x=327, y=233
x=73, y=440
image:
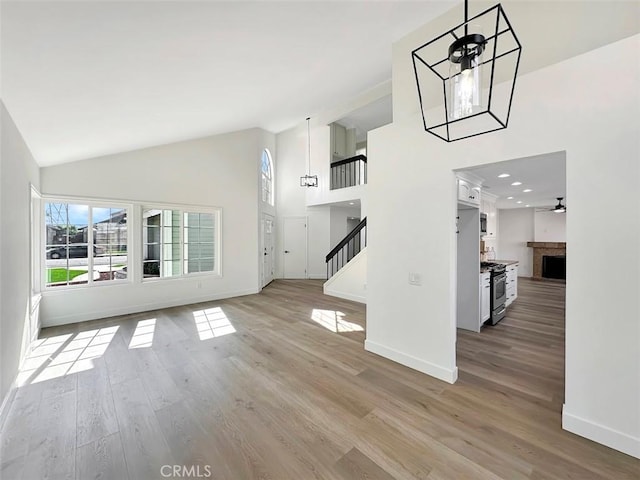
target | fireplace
x=556, y=264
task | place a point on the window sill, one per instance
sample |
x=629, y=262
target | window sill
x=199, y=275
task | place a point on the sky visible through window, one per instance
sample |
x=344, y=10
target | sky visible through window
x=79, y=214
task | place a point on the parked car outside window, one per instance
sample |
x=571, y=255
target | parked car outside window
x=75, y=251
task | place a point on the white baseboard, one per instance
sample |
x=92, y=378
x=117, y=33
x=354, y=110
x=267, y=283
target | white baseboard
x=601, y=434
x=345, y=295
x=143, y=307
x=441, y=373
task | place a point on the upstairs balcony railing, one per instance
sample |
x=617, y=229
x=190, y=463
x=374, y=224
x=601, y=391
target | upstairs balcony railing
x=349, y=172
x=348, y=248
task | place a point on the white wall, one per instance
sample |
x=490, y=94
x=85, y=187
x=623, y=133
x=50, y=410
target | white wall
x=339, y=227
x=219, y=171
x=350, y=281
x=18, y=170
x=291, y=200
x=416, y=325
x=550, y=227
x=515, y=230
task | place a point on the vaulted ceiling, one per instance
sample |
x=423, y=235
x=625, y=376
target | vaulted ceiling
x=84, y=79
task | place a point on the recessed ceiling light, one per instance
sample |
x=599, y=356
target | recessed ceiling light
x=509, y=198
x=519, y=201
x=527, y=190
x=527, y=205
x=504, y=175
x=515, y=184
x=351, y=203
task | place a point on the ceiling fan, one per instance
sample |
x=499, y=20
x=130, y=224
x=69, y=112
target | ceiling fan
x=559, y=208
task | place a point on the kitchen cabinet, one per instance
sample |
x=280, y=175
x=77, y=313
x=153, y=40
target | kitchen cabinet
x=338, y=141
x=485, y=297
x=512, y=283
x=468, y=193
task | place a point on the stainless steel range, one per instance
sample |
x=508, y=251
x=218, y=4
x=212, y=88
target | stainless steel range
x=498, y=291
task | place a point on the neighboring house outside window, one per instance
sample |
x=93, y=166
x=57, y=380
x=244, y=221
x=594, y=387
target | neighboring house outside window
x=84, y=244
x=267, y=177
x=178, y=242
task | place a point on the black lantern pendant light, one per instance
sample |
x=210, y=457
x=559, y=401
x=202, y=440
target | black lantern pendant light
x=309, y=180
x=477, y=91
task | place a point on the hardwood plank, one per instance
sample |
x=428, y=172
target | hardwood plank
x=96, y=417
x=21, y=419
x=101, y=459
x=355, y=464
x=121, y=367
x=12, y=469
x=158, y=384
x=145, y=448
x=282, y=396
x=52, y=445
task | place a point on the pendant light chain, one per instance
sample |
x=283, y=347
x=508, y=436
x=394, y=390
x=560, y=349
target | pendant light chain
x=309, y=180
x=309, y=145
x=466, y=17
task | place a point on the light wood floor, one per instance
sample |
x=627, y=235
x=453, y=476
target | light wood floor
x=263, y=387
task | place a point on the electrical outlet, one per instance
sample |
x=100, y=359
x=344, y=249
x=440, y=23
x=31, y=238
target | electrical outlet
x=415, y=278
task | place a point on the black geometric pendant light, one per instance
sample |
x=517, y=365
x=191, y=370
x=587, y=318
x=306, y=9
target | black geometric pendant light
x=309, y=180
x=473, y=69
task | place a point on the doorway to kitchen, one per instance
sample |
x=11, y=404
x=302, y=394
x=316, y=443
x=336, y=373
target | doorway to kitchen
x=518, y=346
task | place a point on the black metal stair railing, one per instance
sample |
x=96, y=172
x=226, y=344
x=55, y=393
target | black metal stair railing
x=348, y=248
x=349, y=172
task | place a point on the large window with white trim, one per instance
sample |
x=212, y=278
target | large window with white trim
x=85, y=243
x=180, y=242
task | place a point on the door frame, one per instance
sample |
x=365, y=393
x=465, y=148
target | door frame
x=306, y=243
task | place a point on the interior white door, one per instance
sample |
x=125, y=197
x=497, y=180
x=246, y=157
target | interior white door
x=267, y=249
x=294, y=239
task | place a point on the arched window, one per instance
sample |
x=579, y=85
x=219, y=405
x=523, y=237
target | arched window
x=267, y=177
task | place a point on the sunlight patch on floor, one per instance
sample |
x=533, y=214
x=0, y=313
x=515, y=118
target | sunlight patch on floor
x=212, y=323
x=333, y=320
x=62, y=355
x=143, y=334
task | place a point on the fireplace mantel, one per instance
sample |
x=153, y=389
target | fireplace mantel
x=541, y=249
x=562, y=245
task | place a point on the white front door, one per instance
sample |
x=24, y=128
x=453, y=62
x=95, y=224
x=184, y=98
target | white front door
x=267, y=249
x=294, y=240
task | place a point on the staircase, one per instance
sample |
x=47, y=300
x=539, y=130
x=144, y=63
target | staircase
x=347, y=248
x=347, y=266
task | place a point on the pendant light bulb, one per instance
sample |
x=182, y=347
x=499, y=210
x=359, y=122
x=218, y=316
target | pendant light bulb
x=465, y=75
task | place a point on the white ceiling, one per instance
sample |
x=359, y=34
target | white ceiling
x=83, y=79
x=369, y=117
x=89, y=78
x=544, y=175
